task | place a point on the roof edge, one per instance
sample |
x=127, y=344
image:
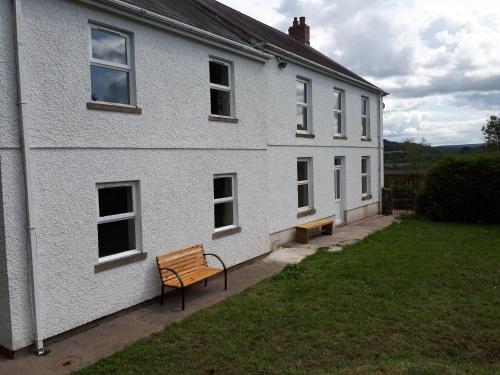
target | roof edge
x=322, y=69
x=178, y=27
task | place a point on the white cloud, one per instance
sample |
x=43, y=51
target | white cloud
x=438, y=59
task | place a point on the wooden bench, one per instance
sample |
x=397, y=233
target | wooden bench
x=185, y=267
x=302, y=231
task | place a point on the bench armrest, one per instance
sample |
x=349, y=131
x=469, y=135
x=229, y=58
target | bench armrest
x=219, y=258
x=176, y=275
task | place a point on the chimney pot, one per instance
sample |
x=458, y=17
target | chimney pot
x=300, y=31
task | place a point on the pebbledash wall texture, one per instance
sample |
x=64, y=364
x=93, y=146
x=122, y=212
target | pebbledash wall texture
x=171, y=151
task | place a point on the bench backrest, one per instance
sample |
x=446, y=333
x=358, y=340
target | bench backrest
x=183, y=261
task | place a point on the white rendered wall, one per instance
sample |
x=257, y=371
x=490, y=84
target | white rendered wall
x=171, y=149
x=284, y=147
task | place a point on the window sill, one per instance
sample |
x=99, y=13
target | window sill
x=300, y=214
x=341, y=137
x=226, y=232
x=366, y=197
x=366, y=139
x=118, y=262
x=232, y=120
x=114, y=108
x=304, y=135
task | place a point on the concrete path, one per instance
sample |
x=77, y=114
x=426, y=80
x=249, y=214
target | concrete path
x=114, y=333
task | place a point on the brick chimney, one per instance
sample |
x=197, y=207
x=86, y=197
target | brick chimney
x=300, y=30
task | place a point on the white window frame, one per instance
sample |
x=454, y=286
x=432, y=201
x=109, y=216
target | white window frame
x=306, y=105
x=366, y=116
x=337, y=170
x=135, y=214
x=307, y=182
x=129, y=67
x=341, y=112
x=367, y=175
x=233, y=198
x=229, y=89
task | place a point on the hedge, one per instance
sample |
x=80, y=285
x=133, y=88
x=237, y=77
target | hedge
x=465, y=189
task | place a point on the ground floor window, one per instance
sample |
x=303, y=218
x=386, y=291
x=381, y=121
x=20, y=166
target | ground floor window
x=365, y=176
x=117, y=221
x=304, y=184
x=225, y=202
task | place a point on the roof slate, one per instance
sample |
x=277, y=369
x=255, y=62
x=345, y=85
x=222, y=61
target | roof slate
x=219, y=19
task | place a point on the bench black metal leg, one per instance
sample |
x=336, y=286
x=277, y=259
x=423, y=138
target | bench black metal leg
x=206, y=282
x=183, y=300
x=162, y=293
x=225, y=279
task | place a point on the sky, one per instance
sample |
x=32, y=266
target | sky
x=438, y=59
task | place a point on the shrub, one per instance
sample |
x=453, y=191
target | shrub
x=463, y=189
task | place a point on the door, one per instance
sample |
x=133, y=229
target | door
x=339, y=187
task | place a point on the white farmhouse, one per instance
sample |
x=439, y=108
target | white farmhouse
x=130, y=128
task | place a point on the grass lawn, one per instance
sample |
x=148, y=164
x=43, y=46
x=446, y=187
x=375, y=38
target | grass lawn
x=416, y=298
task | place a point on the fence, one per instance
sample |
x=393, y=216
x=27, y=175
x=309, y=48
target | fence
x=403, y=187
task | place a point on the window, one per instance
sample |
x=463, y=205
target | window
x=304, y=184
x=110, y=66
x=303, y=93
x=338, y=176
x=338, y=112
x=365, y=117
x=220, y=88
x=225, y=204
x=118, y=219
x=365, y=176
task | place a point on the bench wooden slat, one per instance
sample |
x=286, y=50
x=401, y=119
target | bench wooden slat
x=315, y=224
x=192, y=279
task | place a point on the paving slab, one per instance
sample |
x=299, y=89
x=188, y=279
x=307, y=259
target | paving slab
x=113, y=334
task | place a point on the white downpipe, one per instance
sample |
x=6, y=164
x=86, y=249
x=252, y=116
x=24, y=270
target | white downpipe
x=25, y=140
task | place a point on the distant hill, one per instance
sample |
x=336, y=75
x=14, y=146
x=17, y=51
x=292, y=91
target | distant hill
x=416, y=156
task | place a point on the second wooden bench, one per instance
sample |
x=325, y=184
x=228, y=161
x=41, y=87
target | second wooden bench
x=303, y=231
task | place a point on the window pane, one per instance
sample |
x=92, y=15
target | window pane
x=109, y=85
x=220, y=102
x=338, y=161
x=301, y=118
x=115, y=200
x=337, y=121
x=337, y=184
x=364, y=106
x=364, y=165
x=301, y=92
x=364, y=128
x=364, y=184
x=302, y=173
x=223, y=187
x=303, y=191
x=109, y=46
x=337, y=97
x=116, y=237
x=219, y=73
x=223, y=214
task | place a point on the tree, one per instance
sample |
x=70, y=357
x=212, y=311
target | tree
x=491, y=132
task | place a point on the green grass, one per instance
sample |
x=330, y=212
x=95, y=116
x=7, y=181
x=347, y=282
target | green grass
x=416, y=298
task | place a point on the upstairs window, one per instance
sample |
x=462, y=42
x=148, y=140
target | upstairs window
x=338, y=112
x=220, y=89
x=365, y=117
x=225, y=204
x=110, y=66
x=304, y=184
x=365, y=176
x=303, y=115
x=117, y=221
